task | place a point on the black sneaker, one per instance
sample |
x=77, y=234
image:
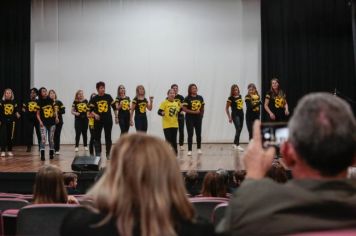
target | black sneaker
x=51, y=154
x=42, y=153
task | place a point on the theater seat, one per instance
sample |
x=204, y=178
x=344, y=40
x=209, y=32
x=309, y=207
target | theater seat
x=219, y=213
x=204, y=206
x=42, y=219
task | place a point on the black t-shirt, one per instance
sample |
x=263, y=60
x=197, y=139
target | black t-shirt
x=124, y=111
x=82, y=221
x=101, y=106
x=253, y=104
x=46, y=107
x=180, y=99
x=236, y=105
x=194, y=103
x=276, y=101
x=8, y=109
x=60, y=110
x=82, y=108
x=30, y=107
x=141, y=105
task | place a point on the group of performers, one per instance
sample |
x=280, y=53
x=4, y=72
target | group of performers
x=43, y=112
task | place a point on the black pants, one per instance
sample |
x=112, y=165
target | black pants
x=81, y=128
x=57, y=136
x=238, y=121
x=250, y=119
x=124, y=123
x=98, y=128
x=92, y=141
x=141, y=123
x=7, y=135
x=181, y=129
x=30, y=124
x=193, y=122
x=171, y=137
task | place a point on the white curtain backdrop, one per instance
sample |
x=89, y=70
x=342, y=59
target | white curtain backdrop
x=76, y=43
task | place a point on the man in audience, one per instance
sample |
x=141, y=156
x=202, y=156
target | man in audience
x=321, y=146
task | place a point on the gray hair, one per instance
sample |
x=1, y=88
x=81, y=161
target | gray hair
x=323, y=132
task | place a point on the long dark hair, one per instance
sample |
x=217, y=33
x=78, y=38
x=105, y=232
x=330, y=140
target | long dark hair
x=280, y=91
x=232, y=89
x=190, y=88
x=252, y=85
x=40, y=93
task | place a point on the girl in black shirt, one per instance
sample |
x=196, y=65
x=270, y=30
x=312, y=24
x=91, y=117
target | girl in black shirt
x=29, y=109
x=47, y=118
x=180, y=99
x=123, y=107
x=8, y=114
x=139, y=105
x=276, y=103
x=253, y=103
x=79, y=110
x=193, y=106
x=60, y=111
x=237, y=114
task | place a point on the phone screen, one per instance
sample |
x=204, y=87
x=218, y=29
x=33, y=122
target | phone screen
x=273, y=134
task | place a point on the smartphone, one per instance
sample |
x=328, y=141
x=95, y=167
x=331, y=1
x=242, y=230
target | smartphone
x=274, y=134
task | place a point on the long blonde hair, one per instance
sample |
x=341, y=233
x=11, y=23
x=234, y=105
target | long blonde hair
x=49, y=186
x=76, y=95
x=12, y=94
x=142, y=184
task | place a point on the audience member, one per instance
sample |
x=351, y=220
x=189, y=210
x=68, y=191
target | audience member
x=140, y=193
x=213, y=186
x=320, y=148
x=49, y=187
x=71, y=182
x=238, y=177
x=192, y=182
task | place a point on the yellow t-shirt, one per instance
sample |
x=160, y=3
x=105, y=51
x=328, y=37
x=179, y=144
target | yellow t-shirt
x=171, y=110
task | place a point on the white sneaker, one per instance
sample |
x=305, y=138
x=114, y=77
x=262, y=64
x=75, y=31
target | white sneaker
x=76, y=149
x=240, y=148
x=181, y=148
x=2, y=154
x=86, y=148
x=234, y=146
x=10, y=154
x=189, y=153
x=199, y=151
x=57, y=153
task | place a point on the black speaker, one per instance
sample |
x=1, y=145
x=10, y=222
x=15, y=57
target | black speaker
x=86, y=163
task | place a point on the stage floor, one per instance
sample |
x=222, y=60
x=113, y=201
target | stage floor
x=214, y=156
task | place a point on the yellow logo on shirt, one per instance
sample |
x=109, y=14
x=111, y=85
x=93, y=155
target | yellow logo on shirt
x=8, y=109
x=279, y=102
x=48, y=111
x=239, y=104
x=125, y=105
x=102, y=106
x=32, y=106
x=255, y=101
x=172, y=111
x=196, y=105
x=82, y=107
x=142, y=107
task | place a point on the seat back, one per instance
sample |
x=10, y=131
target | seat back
x=219, y=213
x=12, y=203
x=204, y=206
x=42, y=219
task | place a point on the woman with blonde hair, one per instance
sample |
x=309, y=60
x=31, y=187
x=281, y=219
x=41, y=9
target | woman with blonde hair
x=253, y=104
x=49, y=187
x=141, y=193
x=79, y=110
x=139, y=105
x=8, y=114
x=59, y=107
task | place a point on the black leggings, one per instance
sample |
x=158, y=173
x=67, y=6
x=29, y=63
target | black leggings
x=181, y=129
x=171, y=137
x=98, y=128
x=57, y=136
x=141, y=123
x=81, y=128
x=193, y=122
x=124, y=123
x=30, y=124
x=250, y=119
x=7, y=134
x=92, y=141
x=238, y=121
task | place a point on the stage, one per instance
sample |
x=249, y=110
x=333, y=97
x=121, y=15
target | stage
x=17, y=173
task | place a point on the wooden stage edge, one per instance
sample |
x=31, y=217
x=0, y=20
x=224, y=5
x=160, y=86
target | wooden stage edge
x=214, y=156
